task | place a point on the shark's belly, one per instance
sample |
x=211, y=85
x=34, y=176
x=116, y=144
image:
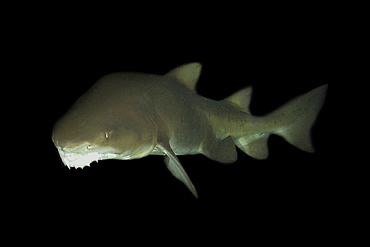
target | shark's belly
x=187, y=138
x=185, y=143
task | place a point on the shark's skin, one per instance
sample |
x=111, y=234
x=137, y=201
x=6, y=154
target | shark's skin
x=130, y=115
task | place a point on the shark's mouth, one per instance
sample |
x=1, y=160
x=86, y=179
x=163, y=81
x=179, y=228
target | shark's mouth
x=79, y=160
x=82, y=159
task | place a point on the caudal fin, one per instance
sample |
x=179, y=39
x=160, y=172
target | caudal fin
x=293, y=121
x=300, y=114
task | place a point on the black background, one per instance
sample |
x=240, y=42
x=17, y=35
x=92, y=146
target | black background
x=278, y=72
x=282, y=56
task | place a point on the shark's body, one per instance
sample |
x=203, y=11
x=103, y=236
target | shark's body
x=131, y=115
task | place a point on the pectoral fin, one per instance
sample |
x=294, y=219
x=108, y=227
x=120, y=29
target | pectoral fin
x=175, y=167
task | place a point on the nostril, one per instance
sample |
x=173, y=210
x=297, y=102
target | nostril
x=56, y=143
x=60, y=147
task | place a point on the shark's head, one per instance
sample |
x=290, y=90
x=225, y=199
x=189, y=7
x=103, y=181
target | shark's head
x=102, y=126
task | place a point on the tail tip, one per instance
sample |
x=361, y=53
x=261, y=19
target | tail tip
x=299, y=133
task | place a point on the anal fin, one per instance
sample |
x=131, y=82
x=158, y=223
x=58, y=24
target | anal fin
x=220, y=150
x=256, y=148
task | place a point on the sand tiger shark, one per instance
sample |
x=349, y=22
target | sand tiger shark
x=129, y=115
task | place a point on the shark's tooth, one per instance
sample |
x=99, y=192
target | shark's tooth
x=67, y=165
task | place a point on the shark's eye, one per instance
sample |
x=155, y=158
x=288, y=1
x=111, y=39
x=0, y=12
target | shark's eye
x=88, y=147
x=106, y=134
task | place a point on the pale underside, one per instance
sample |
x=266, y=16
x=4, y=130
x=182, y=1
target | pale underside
x=81, y=159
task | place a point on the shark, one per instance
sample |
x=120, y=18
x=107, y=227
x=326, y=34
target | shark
x=129, y=115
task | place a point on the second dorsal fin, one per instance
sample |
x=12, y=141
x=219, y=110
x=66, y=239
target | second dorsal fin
x=241, y=99
x=187, y=74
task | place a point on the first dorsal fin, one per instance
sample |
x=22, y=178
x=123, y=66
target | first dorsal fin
x=241, y=99
x=187, y=74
